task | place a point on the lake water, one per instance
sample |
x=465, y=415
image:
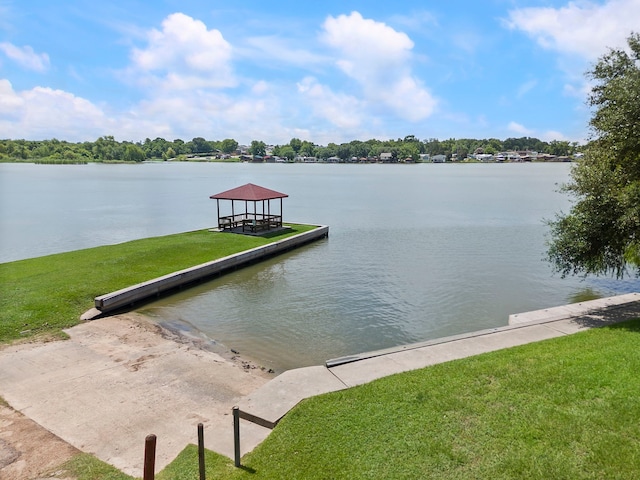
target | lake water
x=415, y=252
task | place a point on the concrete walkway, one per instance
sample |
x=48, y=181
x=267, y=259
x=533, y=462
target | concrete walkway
x=274, y=399
x=103, y=392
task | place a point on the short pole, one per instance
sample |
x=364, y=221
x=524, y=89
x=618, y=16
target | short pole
x=201, y=451
x=149, y=457
x=236, y=435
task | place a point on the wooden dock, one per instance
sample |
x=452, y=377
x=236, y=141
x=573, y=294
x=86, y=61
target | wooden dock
x=157, y=286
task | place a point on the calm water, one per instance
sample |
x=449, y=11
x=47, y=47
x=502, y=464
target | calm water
x=415, y=252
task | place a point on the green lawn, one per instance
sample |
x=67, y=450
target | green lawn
x=43, y=295
x=565, y=408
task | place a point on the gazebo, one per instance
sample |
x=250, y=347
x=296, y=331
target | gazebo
x=247, y=220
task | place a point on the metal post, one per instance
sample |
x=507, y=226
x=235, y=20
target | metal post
x=201, y=451
x=149, y=457
x=236, y=435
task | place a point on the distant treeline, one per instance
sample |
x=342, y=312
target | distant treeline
x=107, y=149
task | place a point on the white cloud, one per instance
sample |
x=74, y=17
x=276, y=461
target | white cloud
x=378, y=58
x=467, y=40
x=276, y=50
x=341, y=110
x=10, y=101
x=582, y=90
x=416, y=20
x=526, y=88
x=551, y=135
x=184, y=55
x=518, y=128
x=26, y=57
x=580, y=28
x=42, y=113
x=260, y=87
x=373, y=45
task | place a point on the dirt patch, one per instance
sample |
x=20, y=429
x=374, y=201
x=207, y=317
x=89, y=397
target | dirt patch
x=28, y=451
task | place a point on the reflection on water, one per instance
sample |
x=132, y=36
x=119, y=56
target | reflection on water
x=584, y=295
x=415, y=252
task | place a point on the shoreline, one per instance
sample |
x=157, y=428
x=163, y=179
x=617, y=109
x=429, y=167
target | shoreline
x=183, y=332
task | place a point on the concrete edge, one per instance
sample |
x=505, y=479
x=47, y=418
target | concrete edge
x=135, y=293
x=553, y=314
x=573, y=309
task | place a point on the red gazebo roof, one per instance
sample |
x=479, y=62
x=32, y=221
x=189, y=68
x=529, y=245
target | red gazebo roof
x=249, y=192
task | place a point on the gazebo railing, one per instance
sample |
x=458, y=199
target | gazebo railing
x=250, y=221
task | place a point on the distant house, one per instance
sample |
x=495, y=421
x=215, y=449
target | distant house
x=513, y=156
x=439, y=158
x=484, y=157
x=386, y=157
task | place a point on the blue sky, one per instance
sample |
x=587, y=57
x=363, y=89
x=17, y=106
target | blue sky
x=323, y=71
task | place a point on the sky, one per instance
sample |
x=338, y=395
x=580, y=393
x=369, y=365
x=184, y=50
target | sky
x=323, y=71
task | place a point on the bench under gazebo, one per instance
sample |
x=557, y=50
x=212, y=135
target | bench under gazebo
x=244, y=220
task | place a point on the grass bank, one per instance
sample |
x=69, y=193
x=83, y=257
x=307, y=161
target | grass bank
x=41, y=296
x=565, y=408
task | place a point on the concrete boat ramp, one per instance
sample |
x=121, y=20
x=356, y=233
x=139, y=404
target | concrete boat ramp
x=105, y=398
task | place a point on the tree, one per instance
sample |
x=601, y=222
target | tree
x=155, y=148
x=287, y=152
x=106, y=148
x=169, y=154
x=601, y=233
x=133, y=153
x=228, y=145
x=409, y=150
x=296, y=144
x=200, y=145
x=559, y=147
x=180, y=147
x=307, y=149
x=258, y=148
